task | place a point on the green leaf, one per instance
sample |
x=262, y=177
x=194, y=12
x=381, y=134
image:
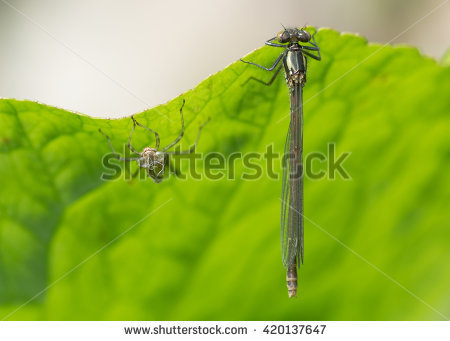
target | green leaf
x=446, y=58
x=74, y=247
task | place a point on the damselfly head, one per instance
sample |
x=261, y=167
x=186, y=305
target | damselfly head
x=293, y=35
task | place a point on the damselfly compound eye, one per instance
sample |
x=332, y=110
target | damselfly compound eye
x=303, y=36
x=283, y=36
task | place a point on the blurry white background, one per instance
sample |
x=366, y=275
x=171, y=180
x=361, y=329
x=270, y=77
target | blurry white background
x=113, y=58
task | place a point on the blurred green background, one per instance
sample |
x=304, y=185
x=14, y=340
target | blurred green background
x=376, y=246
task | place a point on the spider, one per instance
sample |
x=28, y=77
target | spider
x=154, y=160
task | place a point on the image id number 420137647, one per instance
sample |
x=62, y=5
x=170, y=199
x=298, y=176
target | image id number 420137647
x=294, y=329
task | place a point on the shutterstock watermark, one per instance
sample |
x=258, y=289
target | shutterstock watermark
x=215, y=166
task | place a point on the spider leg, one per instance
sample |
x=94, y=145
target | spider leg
x=174, y=170
x=150, y=130
x=129, y=139
x=136, y=172
x=182, y=131
x=116, y=155
x=192, y=149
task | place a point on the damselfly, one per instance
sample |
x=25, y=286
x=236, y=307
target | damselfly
x=294, y=62
x=154, y=160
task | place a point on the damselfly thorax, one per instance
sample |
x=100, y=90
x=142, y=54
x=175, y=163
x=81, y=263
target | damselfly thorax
x=295, y=66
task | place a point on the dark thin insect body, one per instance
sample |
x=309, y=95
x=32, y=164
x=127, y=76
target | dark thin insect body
x=295, y=64
x=154, y=160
